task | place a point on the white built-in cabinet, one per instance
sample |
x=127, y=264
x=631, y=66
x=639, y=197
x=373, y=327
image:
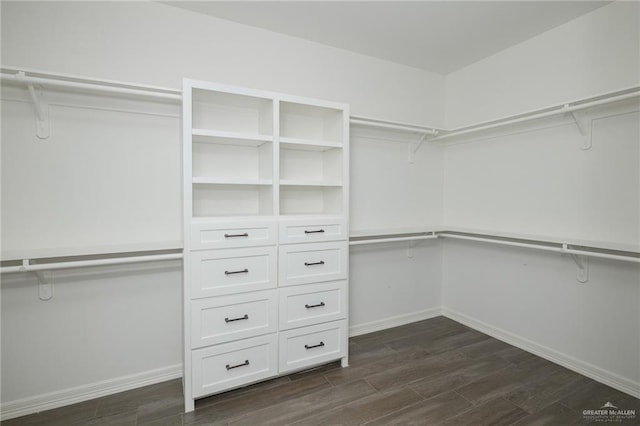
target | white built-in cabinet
x=265, y=235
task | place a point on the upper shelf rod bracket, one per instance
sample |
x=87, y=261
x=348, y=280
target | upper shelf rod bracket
x=413, y=147
x=608, y=98
x=41, y=108
x=581, y=261
x=584, y=127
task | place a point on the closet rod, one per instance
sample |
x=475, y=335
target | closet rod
x=560, y=249
x=123, y=89
x=534, y=115
x=389, y=240
x=27, y=267
x=373, y=122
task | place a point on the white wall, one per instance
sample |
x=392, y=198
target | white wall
x=535, y=179
x=541, y=182
x=105, y=329
x=533, y=299
x=154, y=44
x=388, y=191
x=593, y=54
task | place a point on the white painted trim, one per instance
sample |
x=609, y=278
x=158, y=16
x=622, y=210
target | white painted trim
x=47, y=401
x=383, y=324
x=586, y=369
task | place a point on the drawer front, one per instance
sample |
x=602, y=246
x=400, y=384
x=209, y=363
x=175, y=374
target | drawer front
x=234, y=364
x=222, y=272
x=232, y=234
x=223, y=319
x=308, y=346
x=311, y=304
x=308, y=263
x=310, y=231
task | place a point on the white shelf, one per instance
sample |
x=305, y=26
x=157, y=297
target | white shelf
x=602, y=245
x=308, y=144
x=229, y=138
x=225, y=181
x=303, y=182
x=12, y=255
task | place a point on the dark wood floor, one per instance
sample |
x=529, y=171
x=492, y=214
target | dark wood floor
x=427, y=373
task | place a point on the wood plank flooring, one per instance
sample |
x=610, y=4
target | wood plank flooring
x=433, y=372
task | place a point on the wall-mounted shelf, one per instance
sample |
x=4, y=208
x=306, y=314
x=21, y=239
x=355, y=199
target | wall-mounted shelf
x=602, y=250
x=573, y=109
x=570, y=108
x=44, y=267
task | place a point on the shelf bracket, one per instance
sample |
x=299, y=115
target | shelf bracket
x=584, y=127
x=45, y=288
x=582, y=262
x=45, y=281
x=413, y=147
x=410, y=246
x=41, y=109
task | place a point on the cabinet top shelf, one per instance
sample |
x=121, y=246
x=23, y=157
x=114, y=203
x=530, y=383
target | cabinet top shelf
x=304, y=182
x=230, y=181
x=309, y=144
x=229, y=138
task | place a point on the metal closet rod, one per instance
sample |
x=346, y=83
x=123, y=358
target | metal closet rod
x=506, y=241
x=537, y=114
x=393, y=125
x=28, y=267
x=24, y=77
x=440, y=134
x=562, y=248
x=393, y=239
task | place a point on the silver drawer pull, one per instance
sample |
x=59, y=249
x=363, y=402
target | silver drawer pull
x=319, y=231
x=319, y=345
x=314, y=263
x=236, y=235
x=244, y=271
x=245, y=317
x=314, y=306
x=231, y=367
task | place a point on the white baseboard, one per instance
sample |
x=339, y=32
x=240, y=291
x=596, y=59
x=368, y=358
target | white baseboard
x=586, y=369
x=370, y=327
x=35, y=404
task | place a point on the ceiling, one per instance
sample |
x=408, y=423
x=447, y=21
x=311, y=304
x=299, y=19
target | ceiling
x=439, y=36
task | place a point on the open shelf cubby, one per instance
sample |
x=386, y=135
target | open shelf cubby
x=222, y=200
x=229, y=159
x=310, y=200
x=298, y=163
x=231, y=112
x=310, y=123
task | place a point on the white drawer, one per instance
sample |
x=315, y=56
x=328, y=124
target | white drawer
x=311, y=304
x=223, y=319
x=308, y=263
x=308, y=346
x=214, y=235
x=222, y=367
x=313, y=230
x=221, y=272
